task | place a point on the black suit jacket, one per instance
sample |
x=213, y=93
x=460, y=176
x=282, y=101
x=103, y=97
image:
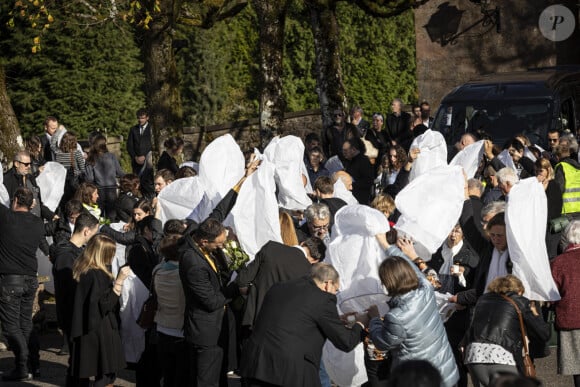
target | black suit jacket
x=274, y=263
x=138, y=145
x=46, y=152
x=205, y=292
x=362, y=172
x=286, y=344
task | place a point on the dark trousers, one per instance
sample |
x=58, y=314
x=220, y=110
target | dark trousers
x=107, y=198
x=378, y=372
x=206, y=365
x=17, y=294
x=147, y=371
x=172, y=355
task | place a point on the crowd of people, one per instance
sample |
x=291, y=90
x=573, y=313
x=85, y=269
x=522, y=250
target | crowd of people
x=347, y=261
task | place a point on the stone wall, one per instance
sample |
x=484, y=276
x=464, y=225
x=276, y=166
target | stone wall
x=479, y=48
x=247, y=132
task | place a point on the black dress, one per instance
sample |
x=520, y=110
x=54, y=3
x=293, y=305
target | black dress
x=97, y=348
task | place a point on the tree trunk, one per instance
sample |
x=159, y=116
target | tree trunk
x=161, y=78
x=329, y=85
x=9, y=129
x=271, y=19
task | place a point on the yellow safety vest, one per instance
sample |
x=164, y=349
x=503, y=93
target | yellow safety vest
x=571, y=195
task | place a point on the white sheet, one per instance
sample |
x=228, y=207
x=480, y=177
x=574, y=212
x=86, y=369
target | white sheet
x=221, y=166
x=286, y=154
x=255, y=214
x=178, y=199
x=356, y=255
x=526, y=212
x=4, y=197
x=469, y=158
x=430, y=206
x=433, y=153
x=133, y=296
x=341, y=192
x=119, y=259
x=506, y=159
x=51, y=183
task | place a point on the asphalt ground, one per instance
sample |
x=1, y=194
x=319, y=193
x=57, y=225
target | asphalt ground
x=53, y=366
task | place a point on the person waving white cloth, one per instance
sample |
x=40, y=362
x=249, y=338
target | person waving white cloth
x=430, y=206
x=255, y=214
x=287, y=153
x=525, y=218
x=355, y=254
x=51, y=183
x=433, y=153
x=178, y=199
x=469, y=158
x=221, y=166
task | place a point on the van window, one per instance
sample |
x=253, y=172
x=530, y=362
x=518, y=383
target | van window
x=566, y=119
x=501, y=120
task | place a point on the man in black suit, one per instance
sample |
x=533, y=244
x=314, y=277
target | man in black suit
x=204, y=278
x=50, y=127
x=295, y=320
x=139, y=141
x=274, y=263
x=398, y=122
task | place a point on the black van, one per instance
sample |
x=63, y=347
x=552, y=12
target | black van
x=530, y=102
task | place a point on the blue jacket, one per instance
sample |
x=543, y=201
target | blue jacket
x=413, y=329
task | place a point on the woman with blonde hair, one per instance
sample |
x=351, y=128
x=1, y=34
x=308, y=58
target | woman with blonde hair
x=545, y=175
x=96, y=344
x=287, y=229
x=494, y=338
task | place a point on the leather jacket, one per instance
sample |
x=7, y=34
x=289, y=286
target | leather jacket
x=495, y=321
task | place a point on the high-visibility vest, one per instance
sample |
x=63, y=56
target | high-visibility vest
x=571, y=195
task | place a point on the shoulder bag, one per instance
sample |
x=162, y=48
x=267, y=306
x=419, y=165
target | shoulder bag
x=529, y=368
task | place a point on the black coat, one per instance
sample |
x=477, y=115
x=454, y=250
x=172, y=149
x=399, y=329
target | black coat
x=124, y=205
x=332, y=139
x=295, y=320
x=167, y=162
x=495, y=321
x=46, y=151
x=274, y=263
x=362, y=173
x=397, y=127
x=63, y=255
x=465, y=257
x=13, y=181
x=96, y=348
x=205, y=292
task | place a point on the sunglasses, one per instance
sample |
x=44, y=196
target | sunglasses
x=25, y=164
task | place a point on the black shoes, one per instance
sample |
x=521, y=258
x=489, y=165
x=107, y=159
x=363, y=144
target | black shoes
x=16, y=377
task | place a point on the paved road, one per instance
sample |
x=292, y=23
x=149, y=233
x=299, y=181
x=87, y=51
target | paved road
x=53, y=367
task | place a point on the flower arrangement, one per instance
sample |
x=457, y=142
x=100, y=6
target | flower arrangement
x=237, y=257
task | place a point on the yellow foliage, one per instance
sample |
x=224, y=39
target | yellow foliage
x=36, y=40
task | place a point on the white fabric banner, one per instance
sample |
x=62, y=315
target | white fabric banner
x=51, y=183
x=469, y=158
x=356, y=255
x=341, y=192
x=221, y=166
x=506, y=159
x=430, y=205
x=178, y=199
x=119, y=259
x=133, y=295
x=433, y=153
x=286, y=154
x=525, y=216
x=4, y=197
x=255, y=214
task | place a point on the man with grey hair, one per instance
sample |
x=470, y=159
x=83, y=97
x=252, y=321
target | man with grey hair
x=357, y=120
x=297, y=316
x=317, y=223
x=20, y=176
x=506, y=179
x=397, y=122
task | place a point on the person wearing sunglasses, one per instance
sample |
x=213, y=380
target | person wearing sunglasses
x=20, y=175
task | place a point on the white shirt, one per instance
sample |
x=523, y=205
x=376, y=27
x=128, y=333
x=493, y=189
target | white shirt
x=497, y=266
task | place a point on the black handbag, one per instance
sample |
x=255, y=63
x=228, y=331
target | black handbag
x=146, y=318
